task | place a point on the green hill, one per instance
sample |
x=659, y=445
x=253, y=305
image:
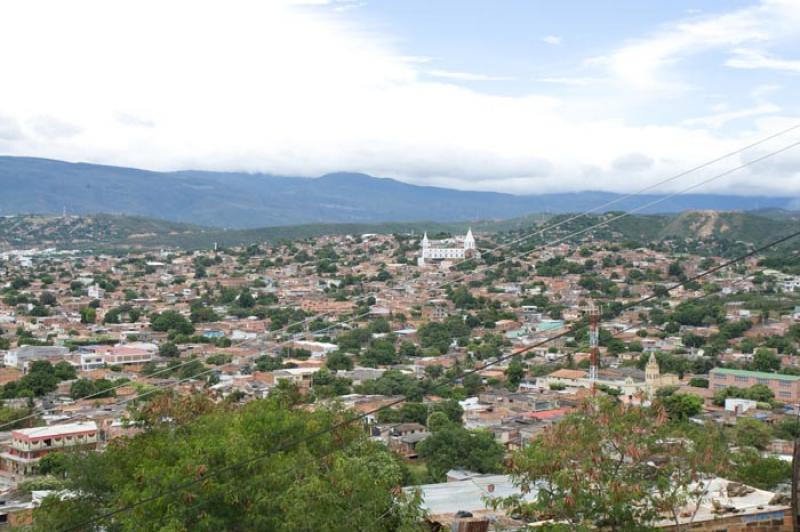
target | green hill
x=106, y=231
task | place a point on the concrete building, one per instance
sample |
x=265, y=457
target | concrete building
x=28, y=446
x=785, y=387
x=21, y=357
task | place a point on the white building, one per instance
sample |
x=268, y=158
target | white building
x=449, y=249
x=22, y=356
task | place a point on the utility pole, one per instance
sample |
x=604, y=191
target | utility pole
x=594, y=344
x=795, y=480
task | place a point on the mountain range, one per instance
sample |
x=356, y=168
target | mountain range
x=246, y=200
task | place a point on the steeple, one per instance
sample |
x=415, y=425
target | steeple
x=469, y=240
x=425, y=242
x=652, y=372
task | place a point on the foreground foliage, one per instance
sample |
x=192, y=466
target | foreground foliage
x=337, y=481
x=616, y=467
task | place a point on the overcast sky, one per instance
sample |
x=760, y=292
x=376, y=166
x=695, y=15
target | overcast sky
x=519, y=96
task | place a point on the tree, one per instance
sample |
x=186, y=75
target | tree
x=454, y=446
x=168, y=350
x=757, y=392
x=765, y=360
x=595, y=468
x=750, y=432
x=240, y=485
x=338, y=360
x=438, y=421
x=325, y=384
x=170, y=320
x=514, y=374
x=53, y=464
x=763, y=472
x=42, y=378
x=89, y=389
x=202, y=313
x=682, y=406
x=246, y=299
x=81, y=388
x=48, y=299
x=472, y=384
x=88, y=315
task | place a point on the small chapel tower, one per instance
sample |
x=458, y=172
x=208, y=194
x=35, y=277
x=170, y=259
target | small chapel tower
x=652, y=373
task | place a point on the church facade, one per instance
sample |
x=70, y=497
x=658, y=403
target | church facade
x=457, y=248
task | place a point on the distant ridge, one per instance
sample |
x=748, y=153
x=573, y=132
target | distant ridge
x=107, y=231
x=244, y=200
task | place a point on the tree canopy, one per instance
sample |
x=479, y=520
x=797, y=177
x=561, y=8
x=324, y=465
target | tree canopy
x=336, y=481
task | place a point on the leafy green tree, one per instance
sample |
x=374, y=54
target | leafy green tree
x=765, y=360
x=88, y=315
x=169, y=320
x=237, y=483
x=595, y=469
x=438, y=421
x=788, y=428
x=752, y=433
x=682, y=406
x=410, y=412
x=42, y=378
x=379, y=326
x=763, y=472
x=87, y=388
x=169, y=350
x=246, y=299
x=472, y=384
x=54, y=464
x=514, y=374
x=325, y=384
x=456, y=447
x=757, y=392
x=201, y=313
x=407, y=349
x=338, y=360
x=81, y=388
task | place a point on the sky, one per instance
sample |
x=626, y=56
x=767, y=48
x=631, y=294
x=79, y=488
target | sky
x=521, y=96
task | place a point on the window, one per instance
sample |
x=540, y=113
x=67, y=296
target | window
x=785, y=394
x=741, y=379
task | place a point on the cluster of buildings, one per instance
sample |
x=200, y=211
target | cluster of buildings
x=295, y=300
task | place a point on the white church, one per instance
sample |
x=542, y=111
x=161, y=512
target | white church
x=448, y=249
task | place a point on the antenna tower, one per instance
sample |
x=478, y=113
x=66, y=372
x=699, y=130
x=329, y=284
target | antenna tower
x=594, y=343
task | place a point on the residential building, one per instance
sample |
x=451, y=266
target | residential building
x=28, y=446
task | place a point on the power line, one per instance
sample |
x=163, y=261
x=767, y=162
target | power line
x=727, y=172
x=602, y=223
x=524, y=238
x=305, y=439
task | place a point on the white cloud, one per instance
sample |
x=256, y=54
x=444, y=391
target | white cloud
x=718, y=120
x=645, y=64
x=576, y=81
x=753, y=59
x=466, y=76
x=553, y=40
x=298, y=90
